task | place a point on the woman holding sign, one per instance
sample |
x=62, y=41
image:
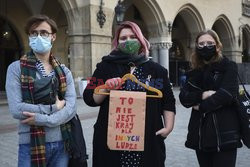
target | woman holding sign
x=130, y=55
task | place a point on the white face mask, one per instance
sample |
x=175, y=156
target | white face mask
x=40, y=44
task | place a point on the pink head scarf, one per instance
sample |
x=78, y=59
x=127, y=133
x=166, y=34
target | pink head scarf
x=136, y=29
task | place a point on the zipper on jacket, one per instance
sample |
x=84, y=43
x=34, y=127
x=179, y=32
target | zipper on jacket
x=217, y=132
x=51, y=93
x=50, y=105
x=203, y=116
x=194, y=85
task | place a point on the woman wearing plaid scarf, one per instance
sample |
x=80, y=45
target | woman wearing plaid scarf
x=43, y=129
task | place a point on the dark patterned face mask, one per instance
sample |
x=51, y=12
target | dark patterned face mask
x=130, y=47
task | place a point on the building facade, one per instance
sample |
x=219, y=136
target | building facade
x=170, y=26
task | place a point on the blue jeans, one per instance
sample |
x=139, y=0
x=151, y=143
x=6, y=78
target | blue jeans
x=55, y=155
x=182, y=80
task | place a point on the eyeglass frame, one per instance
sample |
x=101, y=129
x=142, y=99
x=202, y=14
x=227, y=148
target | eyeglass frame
x=42, y=33
x=205, y=43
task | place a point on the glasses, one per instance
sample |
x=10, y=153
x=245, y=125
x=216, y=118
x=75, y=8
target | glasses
x=42, y=33
x=209, y=44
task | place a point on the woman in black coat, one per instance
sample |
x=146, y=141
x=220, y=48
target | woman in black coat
x=130, y=55
x=211, y=90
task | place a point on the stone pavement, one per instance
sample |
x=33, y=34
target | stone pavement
x=177, y=154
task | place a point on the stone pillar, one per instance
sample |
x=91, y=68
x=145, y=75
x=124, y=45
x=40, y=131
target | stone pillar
x=154, y=52
x=100, y=37
x=164, y=54
x=88, y=42
x=234, y=52
x=80, y=57
x=78, y=46
x=235, y=56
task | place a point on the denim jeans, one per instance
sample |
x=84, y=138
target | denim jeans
x=55, y=155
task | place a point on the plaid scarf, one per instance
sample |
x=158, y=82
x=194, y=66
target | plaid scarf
x=37, y=133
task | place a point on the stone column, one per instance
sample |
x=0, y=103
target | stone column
x=234, y=51
x=154, y=52
x=164, y=54
x=80, y=56
x=235, y=55
x=78, y=47
x=87, y=41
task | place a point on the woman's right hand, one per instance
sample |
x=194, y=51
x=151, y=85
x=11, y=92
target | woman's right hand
x=114, y=83
x=59, y=103
x=207, y=94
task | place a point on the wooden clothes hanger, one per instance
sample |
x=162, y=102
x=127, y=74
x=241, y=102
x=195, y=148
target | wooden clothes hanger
x=134, y=79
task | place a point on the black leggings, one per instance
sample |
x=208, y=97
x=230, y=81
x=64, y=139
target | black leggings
x=217, y=159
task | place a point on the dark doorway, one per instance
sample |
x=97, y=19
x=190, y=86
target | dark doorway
x=10, y=49
x=246, y=46
x=177, y=63
x=178, y=68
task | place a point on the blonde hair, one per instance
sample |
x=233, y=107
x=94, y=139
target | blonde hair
x=196, y=61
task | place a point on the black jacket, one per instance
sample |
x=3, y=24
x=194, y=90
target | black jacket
x=215, y=126
x=154, y=151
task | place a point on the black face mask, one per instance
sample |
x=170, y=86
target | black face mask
x=206, y=53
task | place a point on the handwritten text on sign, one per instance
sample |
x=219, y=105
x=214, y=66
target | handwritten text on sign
x=126, y=120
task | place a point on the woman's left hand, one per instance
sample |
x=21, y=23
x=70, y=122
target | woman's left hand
x=196, y=107
x=168, y=124
x=164, y=132
x=30, y=120
x=59, y=103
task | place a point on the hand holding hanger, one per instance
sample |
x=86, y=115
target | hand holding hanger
x=132, y=78
x=114, y=83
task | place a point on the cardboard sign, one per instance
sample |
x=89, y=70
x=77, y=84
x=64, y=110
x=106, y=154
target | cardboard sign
x=126, y=126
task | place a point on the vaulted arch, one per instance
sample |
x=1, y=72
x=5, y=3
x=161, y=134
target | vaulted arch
x=152, y=20
x=224, y=29
x=245, y=43
x=192, y=18
x=187, y=23
x=71, y=12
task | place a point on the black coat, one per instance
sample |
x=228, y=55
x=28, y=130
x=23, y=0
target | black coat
x=215, y=126
x=154, y=151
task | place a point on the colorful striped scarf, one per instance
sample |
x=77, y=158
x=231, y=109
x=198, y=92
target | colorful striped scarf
x=37, y=133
